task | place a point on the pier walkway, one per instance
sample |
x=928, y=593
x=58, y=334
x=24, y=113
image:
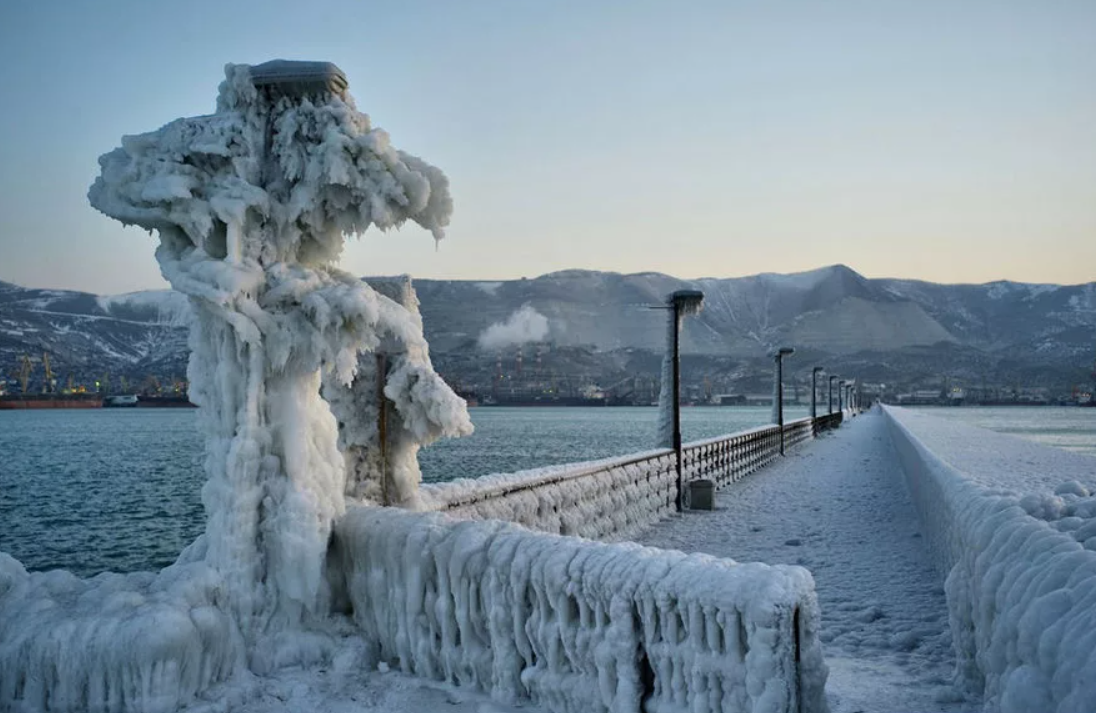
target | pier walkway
x=841, y=509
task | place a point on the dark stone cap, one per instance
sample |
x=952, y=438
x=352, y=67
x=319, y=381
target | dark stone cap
x=297, y=78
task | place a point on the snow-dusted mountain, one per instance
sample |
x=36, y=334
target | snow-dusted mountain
x=832, y=312
x=87, y=335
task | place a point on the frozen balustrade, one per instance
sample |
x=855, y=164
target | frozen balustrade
x=577, y=625
x=614, y=498
x=1013, y=526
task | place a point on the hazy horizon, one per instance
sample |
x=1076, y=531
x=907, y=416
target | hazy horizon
x=939, y=141
x=165, y=286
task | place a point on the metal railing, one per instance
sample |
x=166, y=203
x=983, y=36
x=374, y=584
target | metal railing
x=616, y=497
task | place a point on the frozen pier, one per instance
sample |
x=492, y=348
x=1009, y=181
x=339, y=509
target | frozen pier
x=916, y=531
x=840, y=508
x=936, y=569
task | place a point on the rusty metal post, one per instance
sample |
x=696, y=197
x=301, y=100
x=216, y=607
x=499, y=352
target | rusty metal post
x=382, y=427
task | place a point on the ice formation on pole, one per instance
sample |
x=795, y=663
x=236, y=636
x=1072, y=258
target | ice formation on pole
x=665, y=436
x=384, y=423
x=666, y=385
x=777, y=388
x=251, y=204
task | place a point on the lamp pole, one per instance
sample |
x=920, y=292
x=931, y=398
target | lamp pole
x=829, y=394
x=681, y=302
x=841, y=395
x=778, y=389
x=814, y=391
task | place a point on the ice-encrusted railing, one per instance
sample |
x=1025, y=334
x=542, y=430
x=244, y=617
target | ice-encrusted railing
x=617, y=497
x=577, y=625
x=1020, y=564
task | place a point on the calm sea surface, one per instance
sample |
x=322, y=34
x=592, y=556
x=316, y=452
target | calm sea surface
x=1071, y=428
x=119, y=489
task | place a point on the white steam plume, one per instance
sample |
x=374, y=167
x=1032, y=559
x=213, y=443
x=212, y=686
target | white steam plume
x=524, y=325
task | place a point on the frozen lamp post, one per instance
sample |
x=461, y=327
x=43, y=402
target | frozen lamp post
x=841, y=395
x=253, y=205
x=680, y=303
x=814, y=390
x=829, y=393
x=778, y=389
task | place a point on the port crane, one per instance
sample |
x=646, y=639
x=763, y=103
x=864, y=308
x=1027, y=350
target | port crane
x=25, y=368
x=50, y=384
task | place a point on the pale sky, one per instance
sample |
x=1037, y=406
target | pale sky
x=945, y=140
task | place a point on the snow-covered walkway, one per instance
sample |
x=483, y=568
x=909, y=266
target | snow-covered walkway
x=839, y=507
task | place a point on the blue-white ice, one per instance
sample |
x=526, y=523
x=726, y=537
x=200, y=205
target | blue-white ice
x=252, y=205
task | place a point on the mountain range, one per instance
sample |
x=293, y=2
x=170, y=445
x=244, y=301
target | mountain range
x=604, y=326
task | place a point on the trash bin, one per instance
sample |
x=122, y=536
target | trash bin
x=701, y=494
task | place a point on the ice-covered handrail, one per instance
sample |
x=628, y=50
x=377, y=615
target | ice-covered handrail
x=616, y=497
x=580, y=626
x=468, y=491
x=1013, y=526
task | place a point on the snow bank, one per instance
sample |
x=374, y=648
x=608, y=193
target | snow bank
x=614, y=498
x=1020, y=558
x=577, y=625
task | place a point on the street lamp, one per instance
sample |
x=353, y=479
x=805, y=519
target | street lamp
x=682, y=303
x=814, y=390
x=829, y=393
x=778, y=389
x=841, y=395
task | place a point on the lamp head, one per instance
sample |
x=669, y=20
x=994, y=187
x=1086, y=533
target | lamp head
x=294, y=78
x=687, y=299
x=818, y=369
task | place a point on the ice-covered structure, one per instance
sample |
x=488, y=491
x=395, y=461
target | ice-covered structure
x=679, y=305
x=316, y=389
x=1018, y=547
x=580, y=626
x=251, y=204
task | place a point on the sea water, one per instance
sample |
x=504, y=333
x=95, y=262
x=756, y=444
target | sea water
x=119, y=489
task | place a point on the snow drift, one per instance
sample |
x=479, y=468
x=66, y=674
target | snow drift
x=1020, y=558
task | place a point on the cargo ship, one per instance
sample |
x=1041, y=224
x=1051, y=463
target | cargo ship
x=29, y=401
x=90, y=400
x=148, y=401
x=165, y=401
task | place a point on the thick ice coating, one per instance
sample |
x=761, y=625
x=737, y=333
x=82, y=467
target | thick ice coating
x=252, y=204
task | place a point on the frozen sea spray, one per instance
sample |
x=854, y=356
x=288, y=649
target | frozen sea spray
x=251, y=205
